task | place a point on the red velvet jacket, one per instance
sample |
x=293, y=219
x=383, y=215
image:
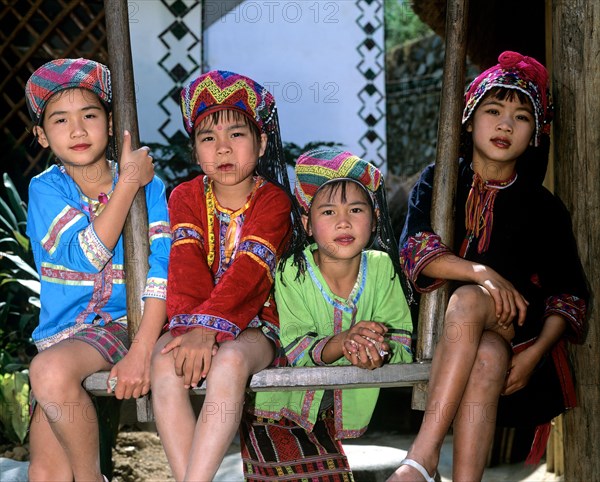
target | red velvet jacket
x=234, y=293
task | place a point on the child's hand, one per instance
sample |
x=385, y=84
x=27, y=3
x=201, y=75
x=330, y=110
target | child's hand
x=135, y=166
x=365, y=346
x=520, y=371
x=192, y=352
x=509, y=302
x=132, y=373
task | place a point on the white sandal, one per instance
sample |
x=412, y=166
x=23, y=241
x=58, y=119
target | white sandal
x=416, y=465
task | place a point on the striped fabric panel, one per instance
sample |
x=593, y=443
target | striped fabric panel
x=61, y=223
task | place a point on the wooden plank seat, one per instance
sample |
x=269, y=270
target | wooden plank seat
x=290, y=378
x=432, y=305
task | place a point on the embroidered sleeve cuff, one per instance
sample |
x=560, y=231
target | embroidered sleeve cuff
x=226, y=329
x=155, y=288
x=186, y=233
x=317, y=350
x=572, y=309
x=401, y=336
x=159, y=229
x=420, y=250
x=95, y=251
x=261, y=251
x=296, y=351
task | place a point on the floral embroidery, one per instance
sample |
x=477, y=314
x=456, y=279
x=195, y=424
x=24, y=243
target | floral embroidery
x=159, y=229
x=260, y=251
x=570, y=307
x=155, y=288
x=187, y=233
x=418, y=252
x=213, y=322
x=93, y=248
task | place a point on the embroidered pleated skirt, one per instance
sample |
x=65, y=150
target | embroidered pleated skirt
x=280, y=450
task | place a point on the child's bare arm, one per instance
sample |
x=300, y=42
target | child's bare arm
x=523, y=363
x=137, y=170
x=509, y=302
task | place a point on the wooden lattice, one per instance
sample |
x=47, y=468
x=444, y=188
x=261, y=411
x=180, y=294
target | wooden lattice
x=33, y=32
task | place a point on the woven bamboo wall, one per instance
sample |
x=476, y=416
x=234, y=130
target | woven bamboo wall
x=33, y=32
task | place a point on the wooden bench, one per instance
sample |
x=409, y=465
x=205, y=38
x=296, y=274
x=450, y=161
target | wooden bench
x=432, y=305
x=296, y=378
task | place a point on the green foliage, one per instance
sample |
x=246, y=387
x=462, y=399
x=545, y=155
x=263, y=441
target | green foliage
x=19, y=282
x=19, y=308
x=402, y=24
x=14, y=405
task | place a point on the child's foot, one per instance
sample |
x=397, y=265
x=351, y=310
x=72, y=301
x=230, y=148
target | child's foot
x=411, y=471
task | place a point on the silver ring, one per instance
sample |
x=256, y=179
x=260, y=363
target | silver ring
x=112, y=383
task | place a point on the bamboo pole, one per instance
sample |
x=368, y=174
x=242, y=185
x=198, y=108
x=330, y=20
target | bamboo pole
x=135, y=232
x=433, y=305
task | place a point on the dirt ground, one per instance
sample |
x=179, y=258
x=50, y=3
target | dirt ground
x=139, y=456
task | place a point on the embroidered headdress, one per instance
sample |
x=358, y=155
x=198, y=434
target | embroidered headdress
x=322, y=166
x=62, y=74
x=218, y=90
x=519, y=72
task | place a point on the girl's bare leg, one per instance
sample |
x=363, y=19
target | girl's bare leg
x=65, y=431
x=221, y=413
x=475, y=420
x=175, y=418
x=470, y=311
x=48, y=460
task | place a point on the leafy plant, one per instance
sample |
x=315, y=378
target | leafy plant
x=402, y=24
x=19, y=308
x=14, y=405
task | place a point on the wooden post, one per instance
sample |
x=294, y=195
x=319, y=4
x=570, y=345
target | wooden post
x=433, y=305
x=135, y=233
x=576, y=43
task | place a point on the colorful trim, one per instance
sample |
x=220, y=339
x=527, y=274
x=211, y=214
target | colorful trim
x=73, y=331
x=155, y=288
x=340, y=433
x=93, y=248
x=159, y=229
x=401, y=336
x=572, y=309
x=316, y=353
x=297, y=353
x=356, y=292
x=207, y=321
x=185, y=233
x=418, y=251
x=61, y=223
x=260, y=251
x=54, y=273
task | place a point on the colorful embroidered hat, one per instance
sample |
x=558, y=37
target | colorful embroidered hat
x=515, y=71
x=61, y=74
x=219, y=89
x=319, y=166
